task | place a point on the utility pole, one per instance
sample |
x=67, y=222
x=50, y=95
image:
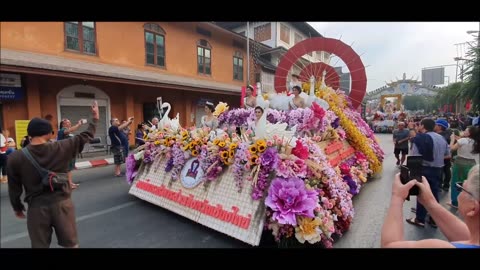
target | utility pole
x=248, y=53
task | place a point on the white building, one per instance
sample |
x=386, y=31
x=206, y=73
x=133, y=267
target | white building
x=279, y=36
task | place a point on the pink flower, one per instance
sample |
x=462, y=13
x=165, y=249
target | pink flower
x=269, y=143
x=288, y=198
x=279, y=141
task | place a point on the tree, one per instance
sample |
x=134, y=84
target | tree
x=449, y=94
x=414, y=103
x=471, y=88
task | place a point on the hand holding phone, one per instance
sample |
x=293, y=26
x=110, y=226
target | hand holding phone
x=406, y=177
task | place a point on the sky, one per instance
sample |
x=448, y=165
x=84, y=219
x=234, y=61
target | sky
x=392, y=48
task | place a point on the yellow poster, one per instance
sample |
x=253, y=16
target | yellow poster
x=20, y=131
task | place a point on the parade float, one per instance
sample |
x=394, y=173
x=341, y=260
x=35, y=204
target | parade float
x=385, y=104
x=290, y=173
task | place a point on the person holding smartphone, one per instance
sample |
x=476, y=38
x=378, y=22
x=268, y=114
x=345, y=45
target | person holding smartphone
x=459, y=234
x=118, y=141
x=48, y=209
x=433, y=149
x=66, y=131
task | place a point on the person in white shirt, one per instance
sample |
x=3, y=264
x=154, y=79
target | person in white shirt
x=468, y=152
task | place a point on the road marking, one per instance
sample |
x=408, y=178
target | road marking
x=17, y=236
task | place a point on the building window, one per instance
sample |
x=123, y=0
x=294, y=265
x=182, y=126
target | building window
x=238, y=66
x=154, y=44
x=204, y=57
x=298, y=38
x=284, y=33
x=81, y=37
x=262, y=32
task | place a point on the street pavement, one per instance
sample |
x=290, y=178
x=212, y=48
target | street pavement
x=108, y=217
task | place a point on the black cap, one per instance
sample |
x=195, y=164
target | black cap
x=38, y=127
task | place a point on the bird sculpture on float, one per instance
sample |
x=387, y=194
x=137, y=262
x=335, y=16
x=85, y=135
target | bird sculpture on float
x=166, y=122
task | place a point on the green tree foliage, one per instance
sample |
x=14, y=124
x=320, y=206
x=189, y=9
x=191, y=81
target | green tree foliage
x=471, y=87
x=414, y=103
x=449, y=94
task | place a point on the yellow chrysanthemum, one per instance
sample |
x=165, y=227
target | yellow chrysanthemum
x=253, y=149
x=157, y=143
x=216, y=141
x=221, y=144
x=221, y=108
x=194, y=153
x=231, y=153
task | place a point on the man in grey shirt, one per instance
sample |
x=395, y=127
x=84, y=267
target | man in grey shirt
x=400, y=140
x=433, y=148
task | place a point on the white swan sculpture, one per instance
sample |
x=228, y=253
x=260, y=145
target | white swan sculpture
x=166, y=122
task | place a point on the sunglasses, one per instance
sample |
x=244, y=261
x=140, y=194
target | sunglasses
x=460, y=188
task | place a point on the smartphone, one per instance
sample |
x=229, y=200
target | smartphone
x=414, y=166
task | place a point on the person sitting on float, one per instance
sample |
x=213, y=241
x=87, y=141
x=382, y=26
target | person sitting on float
x=297, y=101
x=249, y=101
x=209, y=120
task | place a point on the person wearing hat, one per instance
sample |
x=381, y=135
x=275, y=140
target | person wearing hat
x=443, y=128
x=48, y=207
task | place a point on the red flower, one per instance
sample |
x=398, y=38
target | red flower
x=300, y=150
x=318, y=111
x=360, y=156
x=344, y=169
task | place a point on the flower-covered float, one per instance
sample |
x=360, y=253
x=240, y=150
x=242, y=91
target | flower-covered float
x=291, y=174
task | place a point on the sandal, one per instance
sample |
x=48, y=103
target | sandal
x=74, y=186
x=413, y=210
x=415, y=222
x=432, y=223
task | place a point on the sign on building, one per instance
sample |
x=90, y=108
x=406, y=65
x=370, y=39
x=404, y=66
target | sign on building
x=11, y=87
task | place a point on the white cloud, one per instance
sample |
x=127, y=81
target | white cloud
x=393, y=48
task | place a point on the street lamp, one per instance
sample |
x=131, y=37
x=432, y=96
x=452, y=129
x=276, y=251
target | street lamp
x=472, y=32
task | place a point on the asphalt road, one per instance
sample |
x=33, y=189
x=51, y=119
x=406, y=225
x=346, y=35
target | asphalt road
x=108, y=217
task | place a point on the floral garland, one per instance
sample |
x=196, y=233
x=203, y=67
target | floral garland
x=354, y=136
